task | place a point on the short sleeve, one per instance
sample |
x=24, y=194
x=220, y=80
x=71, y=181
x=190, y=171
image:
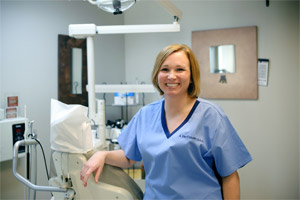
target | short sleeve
x=228, y=150
x=128, y=139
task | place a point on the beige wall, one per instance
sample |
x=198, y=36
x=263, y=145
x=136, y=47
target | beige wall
x=268, y=126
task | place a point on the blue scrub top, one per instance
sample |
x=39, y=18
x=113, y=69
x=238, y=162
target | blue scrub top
x=184, y=164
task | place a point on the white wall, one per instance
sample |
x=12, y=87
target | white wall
x=268, y=126
x=29, y=51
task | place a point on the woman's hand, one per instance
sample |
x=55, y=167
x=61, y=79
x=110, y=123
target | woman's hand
x=95, y=163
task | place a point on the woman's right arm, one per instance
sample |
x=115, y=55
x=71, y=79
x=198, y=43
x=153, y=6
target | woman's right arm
x=97, y=161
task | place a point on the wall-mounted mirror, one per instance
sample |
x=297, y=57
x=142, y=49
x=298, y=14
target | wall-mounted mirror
x=228, y=62
x=72, y=70
x=76, y=70
x=222, y=59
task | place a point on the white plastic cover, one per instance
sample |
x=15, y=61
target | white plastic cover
x=70, y=128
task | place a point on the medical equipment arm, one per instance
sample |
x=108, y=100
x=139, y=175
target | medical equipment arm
x=25, y=181
x=171, y=8
x=88, y=31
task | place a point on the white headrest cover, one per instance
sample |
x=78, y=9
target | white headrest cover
x=70, y=128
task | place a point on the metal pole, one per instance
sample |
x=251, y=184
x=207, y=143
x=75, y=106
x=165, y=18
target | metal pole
x=34, y=164
x=91, y=77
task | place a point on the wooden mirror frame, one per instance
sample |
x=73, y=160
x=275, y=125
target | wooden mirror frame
x=65, y=45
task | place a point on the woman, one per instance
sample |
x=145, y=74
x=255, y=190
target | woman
x=188, y=146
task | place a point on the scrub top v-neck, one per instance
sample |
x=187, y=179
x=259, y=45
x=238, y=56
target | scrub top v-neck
x=182, y=165
x=164, y=122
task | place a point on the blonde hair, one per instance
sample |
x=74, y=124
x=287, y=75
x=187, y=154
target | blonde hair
x=194, y=88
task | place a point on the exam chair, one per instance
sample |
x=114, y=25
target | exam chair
x=113, y=183
x=70, y=138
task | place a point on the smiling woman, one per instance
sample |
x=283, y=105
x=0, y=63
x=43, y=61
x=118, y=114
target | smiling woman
x=179, y=134
x=174, y=74
x=194, y=87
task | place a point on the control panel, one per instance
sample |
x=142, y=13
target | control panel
x=11, y=131
x=18, y=135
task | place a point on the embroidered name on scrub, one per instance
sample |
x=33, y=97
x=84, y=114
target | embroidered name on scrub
x=191, y=137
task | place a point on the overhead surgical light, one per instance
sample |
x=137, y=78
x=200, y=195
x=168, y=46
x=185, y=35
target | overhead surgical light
x=113, y=6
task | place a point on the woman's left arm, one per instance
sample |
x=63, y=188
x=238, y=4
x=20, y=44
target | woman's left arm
x=231, y=186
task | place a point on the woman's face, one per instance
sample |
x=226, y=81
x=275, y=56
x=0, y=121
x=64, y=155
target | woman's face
x=174, y=76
